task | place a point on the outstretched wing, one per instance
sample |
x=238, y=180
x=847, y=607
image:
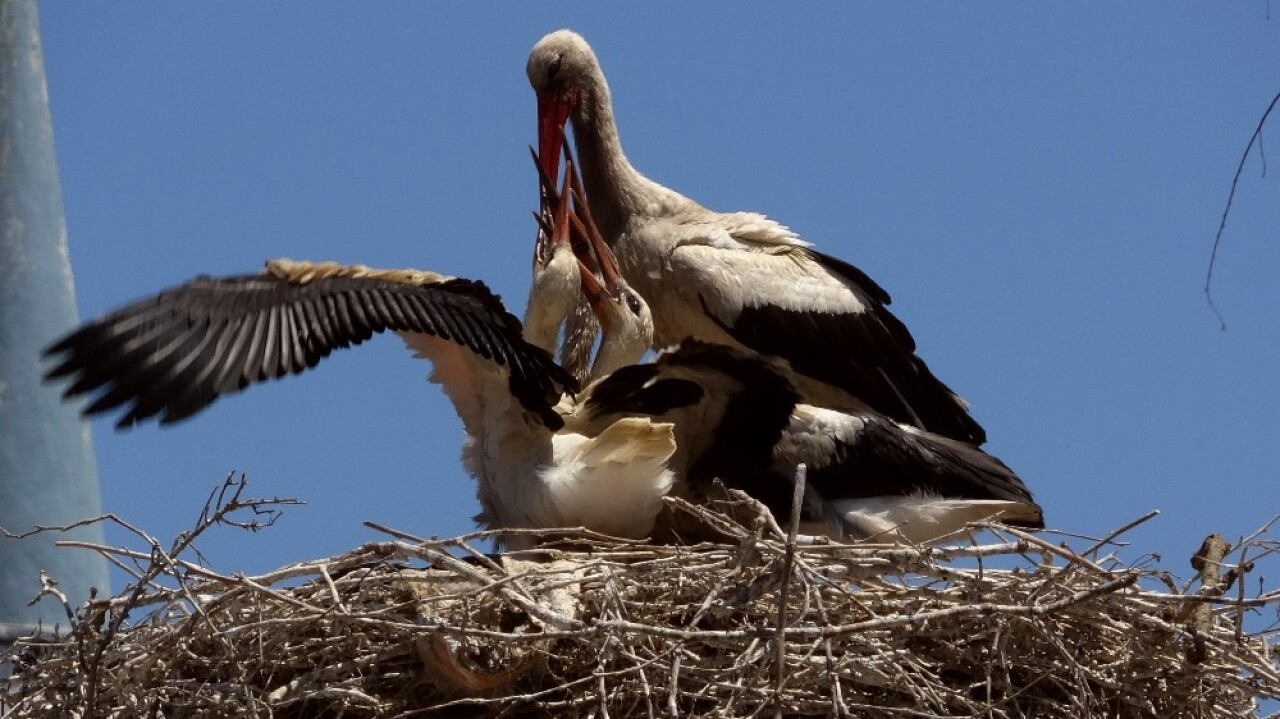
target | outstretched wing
x=174, y=354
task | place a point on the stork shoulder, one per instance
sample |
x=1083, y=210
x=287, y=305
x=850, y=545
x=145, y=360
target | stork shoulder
x=756, y=232
x=728, y=281
x=734, y=231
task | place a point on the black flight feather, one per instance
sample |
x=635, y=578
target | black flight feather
x=174, y=354
x=869, y=354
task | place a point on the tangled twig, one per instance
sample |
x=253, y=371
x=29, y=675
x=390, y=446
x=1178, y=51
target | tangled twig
x=764, y=623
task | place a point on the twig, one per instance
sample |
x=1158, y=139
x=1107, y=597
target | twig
x=673, y=687
x=879, y=631
x=49, y=587
x=788, y=562
x=1107, y=539
x=1207, y=561
x=1222, y=224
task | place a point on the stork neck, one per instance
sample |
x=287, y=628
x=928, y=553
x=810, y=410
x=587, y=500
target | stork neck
x=551, y=298
x=618, y=351
x=614, y=188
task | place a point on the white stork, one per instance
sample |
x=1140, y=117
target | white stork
x=176, y=353
x=738, y=278
x=738, y=418
x=557, y=270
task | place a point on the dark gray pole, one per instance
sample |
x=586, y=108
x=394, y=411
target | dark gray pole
x=47, y=471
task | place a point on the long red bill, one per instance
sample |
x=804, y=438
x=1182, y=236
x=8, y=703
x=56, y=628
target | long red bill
x=586, y=224
x=595, y=292
x=590, y=248
x=547, y=200
x=553, y=113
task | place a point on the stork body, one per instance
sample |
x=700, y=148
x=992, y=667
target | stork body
x=738, y=418
x=739, y=278
x=174, y=354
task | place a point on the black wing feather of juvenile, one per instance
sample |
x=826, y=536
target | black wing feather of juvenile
x=171, y=355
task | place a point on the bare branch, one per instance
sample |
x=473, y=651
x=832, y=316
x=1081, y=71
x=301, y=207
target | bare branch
x=762, y=623
x=1222, y=224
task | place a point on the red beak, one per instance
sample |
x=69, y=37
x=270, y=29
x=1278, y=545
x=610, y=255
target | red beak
x=553, y=113
x=591, y=251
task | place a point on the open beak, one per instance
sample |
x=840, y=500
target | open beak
x=594, y=241
x=590, y=249
x=548, y=201
x=553, y=113
x=557, y=206
x=596, y=294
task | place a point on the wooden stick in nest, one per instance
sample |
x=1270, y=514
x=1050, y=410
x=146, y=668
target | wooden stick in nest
x=1013, y=627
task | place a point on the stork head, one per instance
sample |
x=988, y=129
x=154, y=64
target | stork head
x=563, y=72
x=555, y=284
x=554, y=233
x=625, y=320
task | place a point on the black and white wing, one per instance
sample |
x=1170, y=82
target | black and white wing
x=176, y=353
x=830, y=322
x=737, y=419
x=730, y=408
x=872, y=477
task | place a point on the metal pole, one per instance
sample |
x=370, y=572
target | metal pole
x=47, y=471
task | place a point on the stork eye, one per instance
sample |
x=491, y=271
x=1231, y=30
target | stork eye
x=633, y=303
x=553, y=69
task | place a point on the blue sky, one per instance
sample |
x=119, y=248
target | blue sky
x=1037, y=185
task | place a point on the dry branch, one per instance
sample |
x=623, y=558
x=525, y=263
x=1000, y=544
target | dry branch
x=762, y=624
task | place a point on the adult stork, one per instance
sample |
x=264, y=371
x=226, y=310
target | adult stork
x=736, y=278
x=738, y=418
x=171, y=355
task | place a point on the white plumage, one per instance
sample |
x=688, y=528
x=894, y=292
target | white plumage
x=173, y=354
x=738, y=419
x=611, y=481
x=736, y=278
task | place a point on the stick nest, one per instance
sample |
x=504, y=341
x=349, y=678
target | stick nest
x=1009, y=626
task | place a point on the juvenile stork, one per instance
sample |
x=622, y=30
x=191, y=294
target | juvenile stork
x=738, y=418
x=171, y=355
x=738, y=278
